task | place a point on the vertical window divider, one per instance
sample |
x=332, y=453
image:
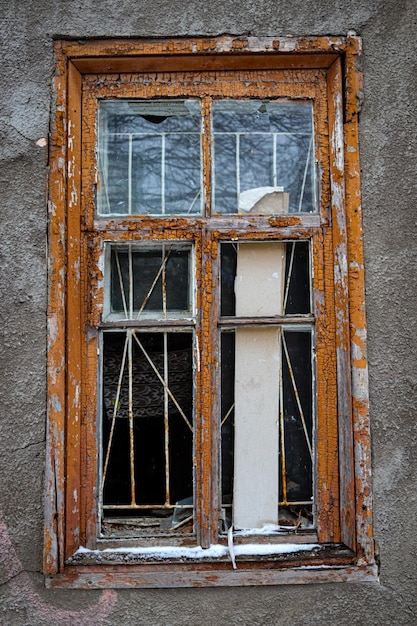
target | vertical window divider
x=237, y=169
x=274, y=159
x=166, y=422
x=283, y=473
x=215, y=400
x=164, y=281
x=207, y=152
x=131, y=282
x=163, y=204
x=131, y=424
x=207, y=438
x=130, y=159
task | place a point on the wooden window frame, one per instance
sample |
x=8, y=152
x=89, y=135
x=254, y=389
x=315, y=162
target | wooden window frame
x=325, y=68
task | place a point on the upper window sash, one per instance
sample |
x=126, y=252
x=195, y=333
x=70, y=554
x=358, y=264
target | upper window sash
x=149, y=157
x=280, y=141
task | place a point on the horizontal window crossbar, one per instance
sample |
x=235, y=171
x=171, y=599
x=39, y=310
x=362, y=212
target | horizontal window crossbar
x=258, y=132
x=146, y=506
x=265, y=321
x=156, y=133
x=148, y=324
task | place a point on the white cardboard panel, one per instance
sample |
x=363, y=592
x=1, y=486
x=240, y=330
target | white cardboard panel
x=259, y=279
x=259, y=291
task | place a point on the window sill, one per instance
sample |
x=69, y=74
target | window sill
x=194, y=567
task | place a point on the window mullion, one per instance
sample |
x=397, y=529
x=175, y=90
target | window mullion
x=206, y=149
x=327, y=471
x=207, y=428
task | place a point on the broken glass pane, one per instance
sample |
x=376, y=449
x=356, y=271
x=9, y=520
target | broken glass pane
x=267, y=427
x=149, y=157
x=263, y=157
x=147, y=431
x=227, y=420
x=266, y=386
x=297, y=428
x=264, y=263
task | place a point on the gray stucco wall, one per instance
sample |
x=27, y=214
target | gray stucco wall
x=388, y=133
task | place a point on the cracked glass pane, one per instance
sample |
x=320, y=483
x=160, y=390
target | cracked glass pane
x=263, y=157
x=149, y=157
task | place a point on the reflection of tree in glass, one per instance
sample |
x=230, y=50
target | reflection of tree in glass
x=254, y=130
x=225, y=180
x=152, y=163
x=165, y=163
x=115, y=182
x=122, y=123
x=182, y=172
x=294, y=170
x=146, y=174
x=256, y=161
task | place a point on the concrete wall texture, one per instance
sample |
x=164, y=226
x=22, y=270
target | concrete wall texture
x=388, y=134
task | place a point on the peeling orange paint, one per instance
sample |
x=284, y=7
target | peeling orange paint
x=207, y=68
x=360, y=404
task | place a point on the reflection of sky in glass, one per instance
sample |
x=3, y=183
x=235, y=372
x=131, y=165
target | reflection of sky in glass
x=150, y=157
x=263, y=144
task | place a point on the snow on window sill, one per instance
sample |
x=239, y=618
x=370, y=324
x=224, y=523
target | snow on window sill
x=215, y=551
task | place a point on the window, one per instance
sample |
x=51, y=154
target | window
x=207, y=372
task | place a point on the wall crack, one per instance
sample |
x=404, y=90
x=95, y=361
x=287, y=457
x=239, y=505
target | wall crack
x=29, y=445
x=406, y=606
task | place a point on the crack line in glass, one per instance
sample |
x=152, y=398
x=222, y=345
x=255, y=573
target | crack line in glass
x=300, y=204
x=122, y=288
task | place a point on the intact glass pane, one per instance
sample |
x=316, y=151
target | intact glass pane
x=225, y=172
x=263, y=157
x=255, y=155
x=116, y=159
x=182, y=174
x=149, y=157
x=149, y=281
x=146, y=174
x=294, y=170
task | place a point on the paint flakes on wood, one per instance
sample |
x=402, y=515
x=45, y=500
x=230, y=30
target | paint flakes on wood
x=71, y=497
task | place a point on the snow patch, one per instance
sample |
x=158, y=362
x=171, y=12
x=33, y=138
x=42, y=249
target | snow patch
x=213, y=552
